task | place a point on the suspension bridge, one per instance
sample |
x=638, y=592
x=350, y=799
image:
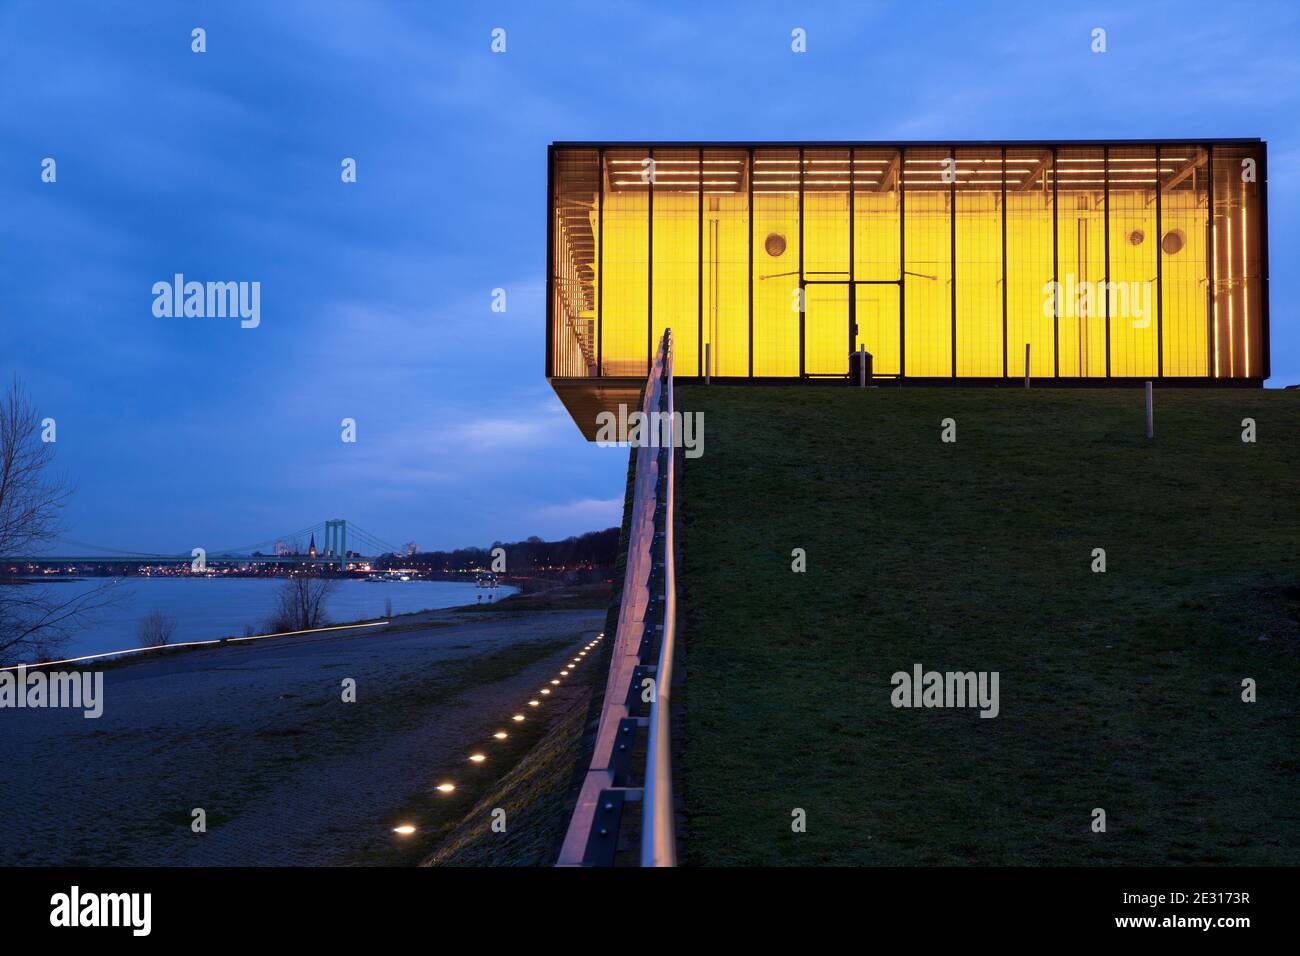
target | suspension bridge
x=324, y=543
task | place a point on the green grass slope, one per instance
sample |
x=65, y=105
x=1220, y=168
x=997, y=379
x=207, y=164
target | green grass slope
x=1119, y=690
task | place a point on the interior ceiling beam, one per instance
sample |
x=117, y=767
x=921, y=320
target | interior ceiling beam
x=890, y=175
x=1037, y=171
x=1192, y=164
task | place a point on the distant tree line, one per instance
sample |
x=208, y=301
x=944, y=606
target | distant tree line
x=594, y=551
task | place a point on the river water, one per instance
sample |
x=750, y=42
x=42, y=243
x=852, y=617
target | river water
x=206, y=608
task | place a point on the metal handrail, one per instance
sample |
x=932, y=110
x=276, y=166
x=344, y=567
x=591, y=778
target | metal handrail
x=592, y=835
x=658, y=829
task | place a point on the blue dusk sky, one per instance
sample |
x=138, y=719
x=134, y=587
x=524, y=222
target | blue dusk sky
x=376, y=296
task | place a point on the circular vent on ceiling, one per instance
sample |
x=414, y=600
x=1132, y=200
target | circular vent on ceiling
x=774, y=244
x=1136, y=237
x=1173, y=242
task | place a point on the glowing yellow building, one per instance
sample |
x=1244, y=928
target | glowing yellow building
x=1113, y=261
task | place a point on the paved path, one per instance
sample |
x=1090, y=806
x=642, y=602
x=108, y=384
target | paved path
x=258, y=736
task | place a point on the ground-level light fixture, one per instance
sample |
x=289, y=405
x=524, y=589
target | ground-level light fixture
x=476, y=758
x=500, y=735
x=446, y=787
x=405, y=829
x=517, y=717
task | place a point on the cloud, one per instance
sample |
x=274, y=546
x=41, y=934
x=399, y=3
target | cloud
x=587, y=514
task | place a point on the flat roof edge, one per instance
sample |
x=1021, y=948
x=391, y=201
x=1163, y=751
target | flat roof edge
x=892, y=143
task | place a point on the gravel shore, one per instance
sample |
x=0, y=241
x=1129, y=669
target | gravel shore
x=258, y=736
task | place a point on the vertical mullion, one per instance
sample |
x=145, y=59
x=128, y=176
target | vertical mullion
x=650, y=266
x=600, y=262
x=853, y=172
x=699, y=267
x=853, y=289
x=902, y=267
x=750, y=178
x=952, y=260
x=1105, y=205
x=1160, y=284
x=803, y=301
x=1003, y=177
x=1211, y=270
x=1056, y=276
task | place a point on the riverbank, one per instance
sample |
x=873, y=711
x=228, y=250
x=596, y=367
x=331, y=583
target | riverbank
x=206, y=609
x=259, y=737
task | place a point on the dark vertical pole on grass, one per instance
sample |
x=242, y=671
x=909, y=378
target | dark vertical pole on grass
x=1026, y=365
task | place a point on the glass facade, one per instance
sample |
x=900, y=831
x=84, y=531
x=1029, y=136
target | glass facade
x=1122, y=260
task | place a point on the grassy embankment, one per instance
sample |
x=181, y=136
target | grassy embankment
x=1120, y=690
x=539, y=792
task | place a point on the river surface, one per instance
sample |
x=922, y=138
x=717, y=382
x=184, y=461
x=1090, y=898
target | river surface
x=206, y=608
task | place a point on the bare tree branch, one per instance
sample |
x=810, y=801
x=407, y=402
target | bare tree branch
x=300, y=603
x=34, y=622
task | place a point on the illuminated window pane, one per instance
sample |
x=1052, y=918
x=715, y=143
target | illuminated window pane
x=726, y=260
x=574, y=227
x=875, y=215
x=877, y=319
x=1133, y=249
x=1238, y=292
x=776, y=262
x=978, y=271
x=1184, y=258
x=1029, y=262
x=1081, y=262
x=826, y=184
x=675, y=277
x=625, y=342
x=928, y=256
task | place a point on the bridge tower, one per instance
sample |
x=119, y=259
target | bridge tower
x=336, y=541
